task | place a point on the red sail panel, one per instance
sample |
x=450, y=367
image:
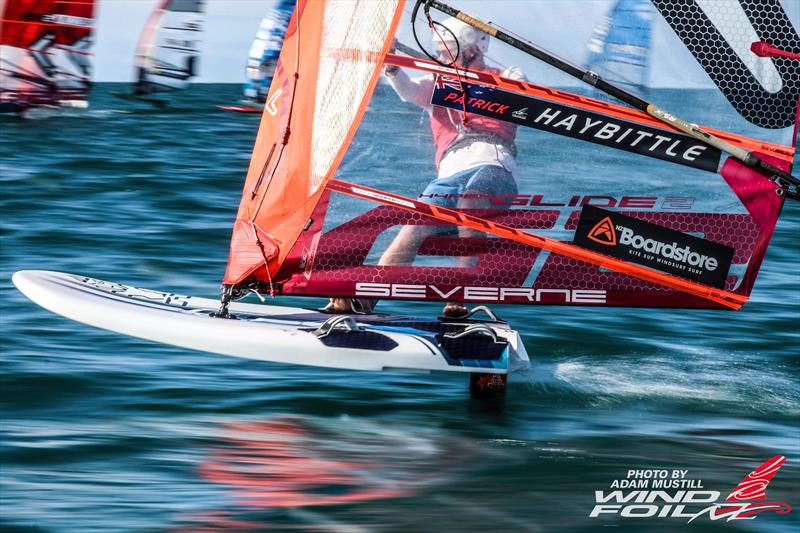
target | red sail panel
x=328, y=68
x=344, y=260
x=27, y=21
x=306, y=234
x=45, y=52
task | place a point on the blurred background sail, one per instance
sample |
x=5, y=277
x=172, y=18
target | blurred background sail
x=168, y=53
x=619, y=50
x=45, y=53
x=265, y=50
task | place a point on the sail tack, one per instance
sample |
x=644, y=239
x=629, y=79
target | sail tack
x=45, y=52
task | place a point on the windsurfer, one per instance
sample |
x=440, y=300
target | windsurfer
x=475, y=155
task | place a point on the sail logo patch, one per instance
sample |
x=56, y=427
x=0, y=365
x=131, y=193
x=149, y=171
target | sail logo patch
x=575, y=123
x=521, y=114
x=270, y=105
x=676, y=494
x=603, y=232
x=68, y=20
x=654, y=246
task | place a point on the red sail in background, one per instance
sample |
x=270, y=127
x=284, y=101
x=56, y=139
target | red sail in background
x=45, y=51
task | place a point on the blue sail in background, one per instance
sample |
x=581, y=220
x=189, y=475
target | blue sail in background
x=265, y=50
x=619, y=49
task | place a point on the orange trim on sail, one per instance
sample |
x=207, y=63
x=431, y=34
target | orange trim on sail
x=784, y=153
x=453, y=216
x=287, y=175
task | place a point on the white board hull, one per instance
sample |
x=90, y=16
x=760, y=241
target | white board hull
x=272, y=333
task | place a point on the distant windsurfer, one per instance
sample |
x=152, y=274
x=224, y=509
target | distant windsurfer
x=475, y=156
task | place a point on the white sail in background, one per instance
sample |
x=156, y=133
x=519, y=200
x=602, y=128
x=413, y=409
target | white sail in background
x=169, y=47
x=265, y=50
x=619, y=49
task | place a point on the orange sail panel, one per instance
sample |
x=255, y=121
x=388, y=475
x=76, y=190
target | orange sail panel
x=327, y=71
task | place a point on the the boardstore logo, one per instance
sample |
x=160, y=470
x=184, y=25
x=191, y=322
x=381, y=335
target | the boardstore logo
x=639, y=241
x=604, y=233
x=663, y=493
x=666, y=250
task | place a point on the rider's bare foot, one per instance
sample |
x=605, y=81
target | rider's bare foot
x=350, y=305
x=455, y=310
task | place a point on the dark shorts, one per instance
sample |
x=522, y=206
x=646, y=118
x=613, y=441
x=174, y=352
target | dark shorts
x=490, y=180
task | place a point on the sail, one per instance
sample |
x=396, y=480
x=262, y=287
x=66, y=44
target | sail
x=719, y=35
x=328, y=68
x=619, y=48
x=168, y=51
x=45, y=56
x=265, y=50
x=608, y=206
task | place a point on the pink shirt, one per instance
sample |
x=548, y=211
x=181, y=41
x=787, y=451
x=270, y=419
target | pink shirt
x=447, y=125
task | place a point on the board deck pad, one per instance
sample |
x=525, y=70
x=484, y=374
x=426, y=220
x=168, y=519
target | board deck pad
x=275, y=333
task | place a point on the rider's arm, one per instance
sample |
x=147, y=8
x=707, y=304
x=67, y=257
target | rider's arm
x=514, y=73
x=416, y=91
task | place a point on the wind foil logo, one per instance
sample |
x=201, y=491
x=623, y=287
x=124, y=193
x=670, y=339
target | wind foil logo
x=650, y=499
x=654, y=246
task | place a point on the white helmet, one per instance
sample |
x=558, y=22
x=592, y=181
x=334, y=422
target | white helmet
x=467, y=36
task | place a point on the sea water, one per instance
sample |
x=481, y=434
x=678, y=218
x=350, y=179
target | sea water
x=105, y=432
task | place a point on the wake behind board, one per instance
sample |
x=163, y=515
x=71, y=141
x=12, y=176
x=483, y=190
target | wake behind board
x=157, y=102
x=240, y=108
x=280, y=334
